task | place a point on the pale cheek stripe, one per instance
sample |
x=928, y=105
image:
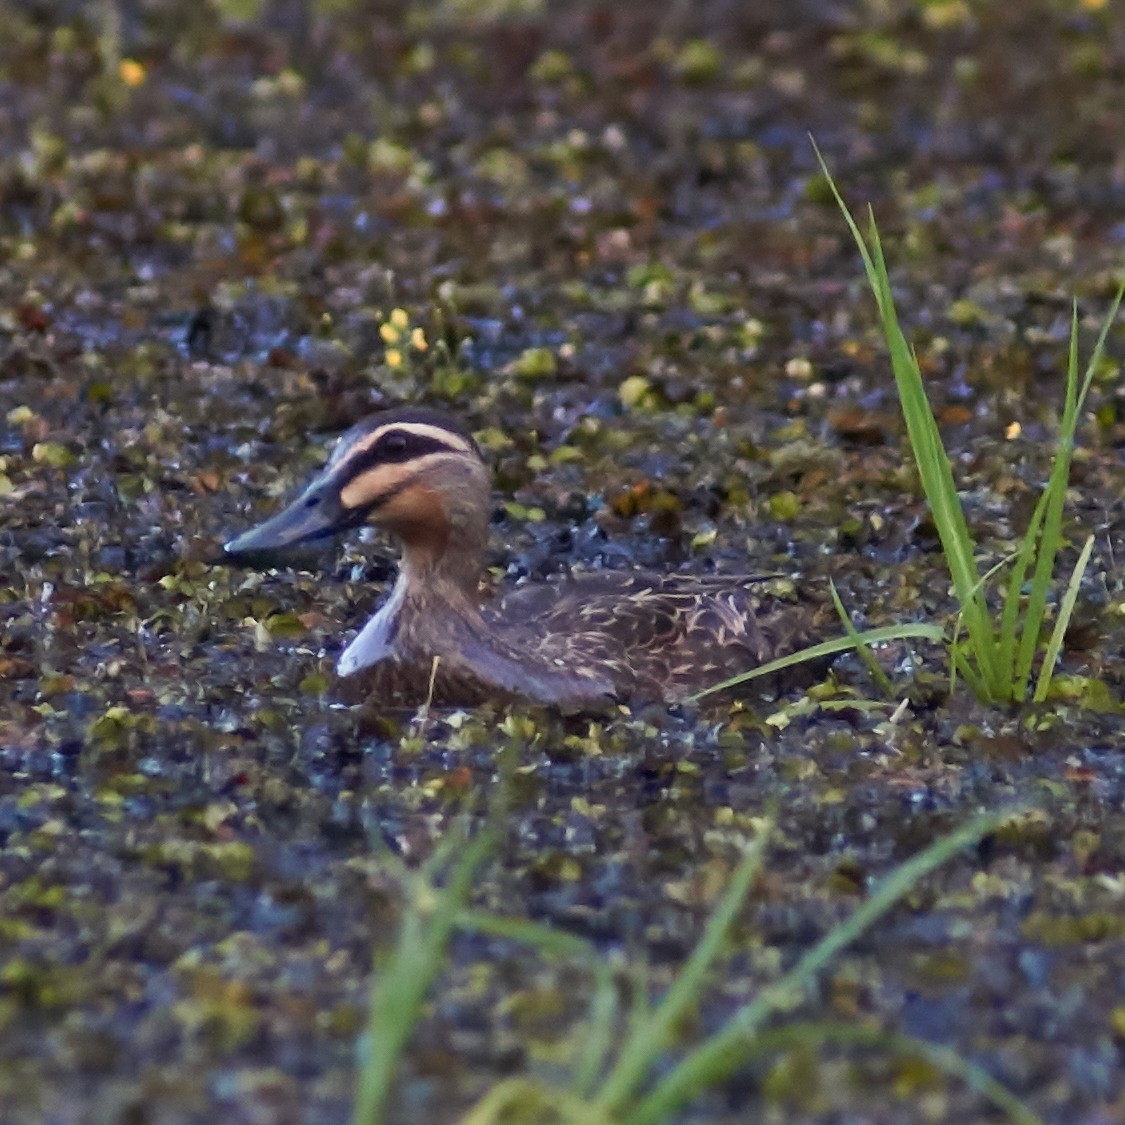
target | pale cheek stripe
x=368, y=487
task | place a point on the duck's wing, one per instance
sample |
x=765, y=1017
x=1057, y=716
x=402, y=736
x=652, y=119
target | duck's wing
x=648, y=609
x=664, y=636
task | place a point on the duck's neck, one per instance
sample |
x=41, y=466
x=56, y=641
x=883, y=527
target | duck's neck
x=429, y=580
x=446, y=565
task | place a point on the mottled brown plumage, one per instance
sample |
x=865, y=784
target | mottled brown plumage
x=587, y=639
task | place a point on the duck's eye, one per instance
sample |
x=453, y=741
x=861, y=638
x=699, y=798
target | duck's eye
x=393, y=446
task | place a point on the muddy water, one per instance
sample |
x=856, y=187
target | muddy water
x=631, y=282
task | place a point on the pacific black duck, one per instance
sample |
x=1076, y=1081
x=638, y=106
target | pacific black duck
x=582, y=640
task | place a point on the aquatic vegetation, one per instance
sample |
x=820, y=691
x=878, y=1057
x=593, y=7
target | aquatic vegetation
x=614, y=1075
x=636, y=290
x=996, y=654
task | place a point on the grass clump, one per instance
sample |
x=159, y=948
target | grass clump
x=621, y=1075
x=995, y=654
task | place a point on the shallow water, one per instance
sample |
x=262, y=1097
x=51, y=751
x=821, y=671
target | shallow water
x=196, y=269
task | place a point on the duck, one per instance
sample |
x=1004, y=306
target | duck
x=588, y=639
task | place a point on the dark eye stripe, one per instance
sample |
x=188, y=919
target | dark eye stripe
x=395, y=448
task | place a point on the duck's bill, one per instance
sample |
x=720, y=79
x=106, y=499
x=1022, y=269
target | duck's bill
x=316, y=514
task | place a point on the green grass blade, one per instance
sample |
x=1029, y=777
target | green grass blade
x=1057, y=484
x=643, y=1048
x=1010, y=618
x=826, y=648
x=602, y=1016
x=601, y=1026
x=863, y=650
x=535, y=935
x=723, y=1050
x=1099, y=344
x=818, y=1033
x=926, y=445
x=399, y=990
x=941, y=493
x=960, y=665
x=526, y=1100
x=1051, y=536
x=1066, y=611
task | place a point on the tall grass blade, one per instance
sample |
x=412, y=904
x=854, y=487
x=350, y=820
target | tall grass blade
x=524, y=1101
x=817, y=1033
x=1010, y=618
x=862, y=648
x=1057, y=484
x=398, y=992
x=929, y=452
x=1052, y=521
x=648, y=1040
x=937, y=481
x=827, y=648
x=602, y=1017
x=1066, y=611
x=725, y=1050
x=996, y=658
x=601, y=1025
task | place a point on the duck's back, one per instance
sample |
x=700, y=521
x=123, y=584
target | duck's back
x=655, y=636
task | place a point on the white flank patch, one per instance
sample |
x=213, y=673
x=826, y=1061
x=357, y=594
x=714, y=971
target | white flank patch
x=375, y=641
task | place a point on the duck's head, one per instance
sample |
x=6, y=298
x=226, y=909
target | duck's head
x=418, y=473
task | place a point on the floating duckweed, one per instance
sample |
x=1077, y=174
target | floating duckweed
x=785, y=505
x=1052, y=930
x=386, y=156
x=644, y=275
x=421, y=59
x=751, y=332
x=286, y=625
x=315, y=683
x=564, y=454
x=552, y=66
x=708, y=303
x=536, y=363
x=698, y=60
x=519, y=728
x=524, y=514
x=234, y=859
x=635, y=392
x=494, y=439
x=799, y=367
x=52, y=453
x=967, y=313
x=1088, y=692
x=505, y=168
x=944, y=14
x=110, y=725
